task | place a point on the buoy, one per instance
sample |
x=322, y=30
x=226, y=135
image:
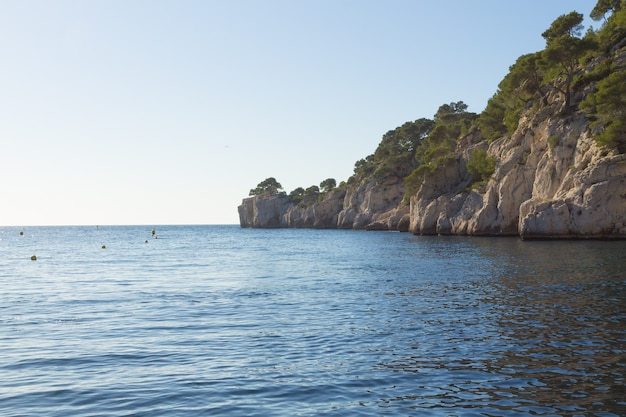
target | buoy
x=21, y=233
x=146, y=241
x=104, y=246
x=153, y=232
x=33, y=258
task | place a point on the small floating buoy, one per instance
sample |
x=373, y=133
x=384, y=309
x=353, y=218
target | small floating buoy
x=146, y=241
x=33, y=258
x=153, y=232
x=104, y=246
x=21, y=233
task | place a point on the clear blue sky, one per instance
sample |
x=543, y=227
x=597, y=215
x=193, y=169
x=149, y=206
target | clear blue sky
x=169, y=112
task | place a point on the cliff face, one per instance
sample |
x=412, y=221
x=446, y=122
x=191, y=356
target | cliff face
x=374, y=205
x=263, y=212
x=551, y=181
x=321, y=215
x=369, y=205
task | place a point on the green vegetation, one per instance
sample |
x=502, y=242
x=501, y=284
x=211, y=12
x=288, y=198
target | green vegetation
x=328, y=185
x=564, y=49
x=395, y=155
x=300, y=196
x=608, y=107
x=481, y=166
x=613, y=31
x=603, y=7
x=559, y=68
x=307, y=197
x=268, y=187
x=297, y=195
x=552, y=79
x=523, y=84
x=451, y=122
x=553, y=141
x=311, y=195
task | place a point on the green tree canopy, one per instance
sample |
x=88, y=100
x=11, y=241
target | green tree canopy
x=328, y=185
x=311, y=195
x=563, y=51
x=451, y=121
x=527, y=77
x=491, y=120
x=605, y=6
x=565, y=25
x=395, y=155
x=364, y=166
x=267, y=187
x=481, y=165
x=297, y=195
x=613, y=30
x=450, y=113
x=522, y=84
x=608, y=108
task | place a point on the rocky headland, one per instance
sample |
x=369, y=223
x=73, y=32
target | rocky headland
x=550, y=181
x=567, y=190
x=547, y=175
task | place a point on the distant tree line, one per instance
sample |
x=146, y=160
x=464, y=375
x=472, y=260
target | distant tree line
x=271, y=187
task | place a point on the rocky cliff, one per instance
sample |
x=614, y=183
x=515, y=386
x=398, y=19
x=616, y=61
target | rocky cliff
x=551, y=180
x=369, y=205
x=264, y=212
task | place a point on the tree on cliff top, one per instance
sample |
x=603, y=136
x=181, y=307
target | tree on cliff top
x=605, y=6
x=564, y=48
x=395, y=155
x=268, y=187
x=450, y=123
x=328, y=185
x=613, y=31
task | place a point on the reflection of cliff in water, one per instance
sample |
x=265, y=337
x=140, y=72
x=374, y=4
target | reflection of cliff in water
x=545, y=336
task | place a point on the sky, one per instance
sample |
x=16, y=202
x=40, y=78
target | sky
x=169, y=111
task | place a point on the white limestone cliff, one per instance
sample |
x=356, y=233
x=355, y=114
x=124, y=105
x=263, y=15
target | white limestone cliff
x=370, y=205
x=373, y=204
x=263, y=211
x=551, y=181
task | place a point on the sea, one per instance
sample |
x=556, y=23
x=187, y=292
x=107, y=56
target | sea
x=224, y=321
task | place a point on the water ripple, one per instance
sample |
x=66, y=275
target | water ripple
x=224, y=321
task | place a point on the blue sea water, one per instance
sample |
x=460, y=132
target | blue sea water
x=218, y=320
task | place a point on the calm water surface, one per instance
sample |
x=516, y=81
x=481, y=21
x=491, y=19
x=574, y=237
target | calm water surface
x=218, y=320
